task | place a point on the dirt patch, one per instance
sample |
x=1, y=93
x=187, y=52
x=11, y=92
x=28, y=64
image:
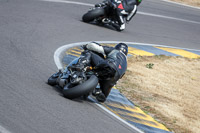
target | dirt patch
x=189, y=2
x=167, y=88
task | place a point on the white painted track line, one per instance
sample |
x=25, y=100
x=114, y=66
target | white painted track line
x=3, y=130
x=70, y=2
x=117, y=117
x=173, y=2
x=166, y=17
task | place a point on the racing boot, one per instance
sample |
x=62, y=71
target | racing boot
x=117, y=26
x=96, y=92
x=99, y=95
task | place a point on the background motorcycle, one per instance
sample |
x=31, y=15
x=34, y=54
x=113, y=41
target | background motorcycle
x=101, y=14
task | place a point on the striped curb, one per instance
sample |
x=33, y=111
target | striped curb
x=117, y=104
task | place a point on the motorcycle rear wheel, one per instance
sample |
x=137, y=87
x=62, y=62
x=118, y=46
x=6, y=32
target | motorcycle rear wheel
x=93, y=14
x=72, y=92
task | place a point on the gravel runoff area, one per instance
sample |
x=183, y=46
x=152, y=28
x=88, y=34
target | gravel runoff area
x=166, y=91
x=167, y=88
x=195, y=3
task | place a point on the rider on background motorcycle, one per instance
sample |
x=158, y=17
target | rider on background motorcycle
x=125, y=10
x=113, y=65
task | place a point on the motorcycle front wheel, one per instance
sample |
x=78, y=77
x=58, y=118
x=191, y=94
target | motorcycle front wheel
x=93, y=14
x=70, y=91
x=53, y=79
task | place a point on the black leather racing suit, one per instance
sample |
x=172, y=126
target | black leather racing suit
x=125, y=10
x=115, y=64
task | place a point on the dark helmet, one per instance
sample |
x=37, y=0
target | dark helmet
x=122, y=47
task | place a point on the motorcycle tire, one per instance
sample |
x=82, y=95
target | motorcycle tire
x=72, y=92
x=93, y=14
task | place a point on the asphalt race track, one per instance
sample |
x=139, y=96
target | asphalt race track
x=30, y=32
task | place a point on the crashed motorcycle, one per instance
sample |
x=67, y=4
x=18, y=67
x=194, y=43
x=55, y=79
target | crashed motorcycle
x=78, y=80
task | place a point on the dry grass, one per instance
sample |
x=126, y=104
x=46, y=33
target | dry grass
x=169, y=91
x=189, y=2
